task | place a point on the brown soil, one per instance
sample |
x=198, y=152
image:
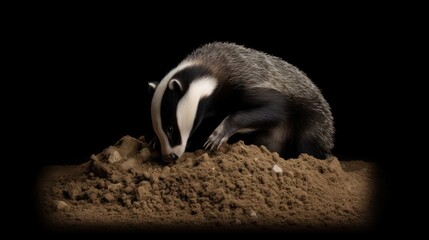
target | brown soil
x=238, y=187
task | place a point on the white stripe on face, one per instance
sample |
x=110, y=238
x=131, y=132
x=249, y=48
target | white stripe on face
x=156, y=108
x=187, y=108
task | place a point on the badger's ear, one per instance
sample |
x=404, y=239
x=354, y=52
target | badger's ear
x=152, y=86
x=175, y=84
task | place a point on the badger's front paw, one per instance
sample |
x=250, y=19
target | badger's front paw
x=217, y=138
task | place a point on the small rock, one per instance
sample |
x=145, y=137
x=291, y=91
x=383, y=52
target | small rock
x=61, y=205
x=277, y=169
x=253, y=213
x=113, y=155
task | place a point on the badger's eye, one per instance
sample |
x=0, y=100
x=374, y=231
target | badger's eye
x=170, y=130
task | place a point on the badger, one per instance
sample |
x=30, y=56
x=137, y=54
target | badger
x=225, y=89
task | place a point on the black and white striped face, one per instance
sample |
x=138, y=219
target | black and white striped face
x=174, y=106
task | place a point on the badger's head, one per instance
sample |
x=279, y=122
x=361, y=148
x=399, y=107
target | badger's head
x=174, y=106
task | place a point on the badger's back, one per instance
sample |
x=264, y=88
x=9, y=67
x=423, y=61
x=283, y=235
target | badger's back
x=253, y=69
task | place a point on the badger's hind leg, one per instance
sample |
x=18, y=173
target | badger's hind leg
x=309, y=142
x=276, y=139
x=314, y=134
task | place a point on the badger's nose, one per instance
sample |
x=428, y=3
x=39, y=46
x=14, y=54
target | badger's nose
x=170, y=157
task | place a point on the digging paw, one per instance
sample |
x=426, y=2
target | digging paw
x=215, y=140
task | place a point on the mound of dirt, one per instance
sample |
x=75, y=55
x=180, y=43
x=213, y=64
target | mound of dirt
x=236, y=187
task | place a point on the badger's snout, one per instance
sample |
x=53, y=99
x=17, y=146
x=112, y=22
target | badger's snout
x=170, y=157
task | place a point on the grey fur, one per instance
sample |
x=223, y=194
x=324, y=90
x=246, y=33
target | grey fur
x=249, y=69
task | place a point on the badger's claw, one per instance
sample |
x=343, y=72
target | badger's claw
x=153, y=142
x=215, y=140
